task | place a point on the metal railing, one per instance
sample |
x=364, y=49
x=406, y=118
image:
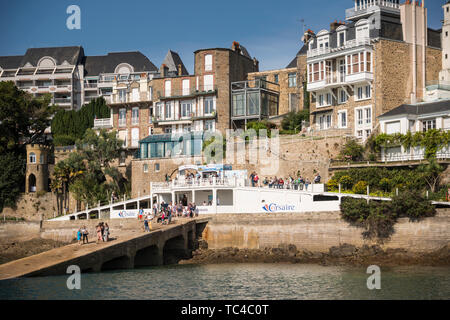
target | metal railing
x=180, y=93
x=438, y=85
x=348, y=45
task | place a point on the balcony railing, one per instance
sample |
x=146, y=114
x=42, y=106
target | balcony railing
x=90, y=85
x=103, y=123
x=175, y=94
x=348, y=45
x=62, y=100
x=255, y=84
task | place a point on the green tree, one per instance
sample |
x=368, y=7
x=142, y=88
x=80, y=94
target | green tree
x=360, y=187
x=23, y=119
x=12, y=172
x=431, y=173
x=293, y=121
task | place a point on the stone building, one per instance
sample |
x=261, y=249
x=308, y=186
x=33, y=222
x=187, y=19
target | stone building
x=39, y=165
x=383, y=57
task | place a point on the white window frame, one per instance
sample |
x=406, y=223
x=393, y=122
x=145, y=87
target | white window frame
x=209, y=105
x=32, y=158
x=122, y=120
x=167, y=88
x=342, y=92
x=145, y=168
x=340, y=122
x=134, y=119
x=186, y=87
x=210, y=125
x=208, y=62
x=206, y=85
x=363, y=92
x=186, y=109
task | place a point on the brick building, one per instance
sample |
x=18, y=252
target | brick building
x=382, y=57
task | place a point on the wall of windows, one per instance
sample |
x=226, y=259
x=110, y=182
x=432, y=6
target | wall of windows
x=238, y=105
x=182, y=146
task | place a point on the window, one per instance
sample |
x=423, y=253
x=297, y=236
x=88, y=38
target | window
x=122, y=158
x=275, y=78
x=362, y=33
x=428, y=125
x=159, y=110
x=208, y=82
x=341, y=38
x=360, y=133
x=368, y=115
x=167, y=130
x=325, y=121
x=325, y=99
x=150, y=93
x=135, y=94
x=150, y=115
x=323, y=42
x=135, y=116
x=368, y=62
x=343, y=98
x=342, y=119
x=145, y=168
x=208, y=62
x=186, y=87
x=186, y=109
x=168, y=88
x=122, y=117
x=209, y=125
x=134, y=137
x=363, y=93
x=368, y=132
x=157, y=167
x=32, y=157
x=122, y=95
x=123, y=135
x=168, y=111
x=359, y=116
x=252, y=103
x=209, y=106
x=292, y=80
x=238, y=105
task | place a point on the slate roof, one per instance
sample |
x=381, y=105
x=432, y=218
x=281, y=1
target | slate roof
x=11, y=62
x=172, y=60
x=419, y=109
x=95, y=65
x=302, y=51
x=72, y=55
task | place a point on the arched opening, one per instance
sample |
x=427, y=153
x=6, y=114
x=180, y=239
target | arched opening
x=147, y=257
x=32, y=183
x=174, y=250
x=123, y=262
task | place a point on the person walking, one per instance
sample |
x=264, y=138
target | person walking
x=98, y=228
x=146, y=228
x=106, y=233
x=79, y=235
x=85, y=235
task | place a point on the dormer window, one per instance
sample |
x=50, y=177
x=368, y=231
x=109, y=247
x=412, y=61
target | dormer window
x=323, y=40
x=341, y=35
x=362, y=30
x=310, y=44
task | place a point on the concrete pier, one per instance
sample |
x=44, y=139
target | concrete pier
x=165, y=245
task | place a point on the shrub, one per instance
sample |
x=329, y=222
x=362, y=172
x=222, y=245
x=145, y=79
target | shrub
x=346, y=182
x=293, y=121
x=333, y=184
x=385, y=184
x=354, y=210
x=352, y=150
x=413, y=205
x=64, y=140
x=360, y=187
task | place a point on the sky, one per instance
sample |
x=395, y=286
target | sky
x=270, y=30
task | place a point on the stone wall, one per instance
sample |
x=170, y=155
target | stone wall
x=21, y=231
x=318, y=232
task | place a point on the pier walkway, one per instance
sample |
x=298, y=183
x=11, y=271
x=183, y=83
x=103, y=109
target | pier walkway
x=165, y=244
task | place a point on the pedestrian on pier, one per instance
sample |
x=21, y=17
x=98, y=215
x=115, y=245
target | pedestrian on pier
x=79, y=235
x=106, y=233
x=98, y=228
x=85, y=234
x=146, y=227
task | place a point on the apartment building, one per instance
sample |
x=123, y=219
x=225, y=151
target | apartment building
x=383, y=57
x=70, y=77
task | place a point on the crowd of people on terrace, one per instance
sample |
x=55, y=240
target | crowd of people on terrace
x=291, y=183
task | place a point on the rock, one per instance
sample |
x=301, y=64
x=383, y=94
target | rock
x=344, y=250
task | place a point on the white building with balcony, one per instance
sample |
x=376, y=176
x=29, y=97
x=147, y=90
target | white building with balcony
x=347, y=76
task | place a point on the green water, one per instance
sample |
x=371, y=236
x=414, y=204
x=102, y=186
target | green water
x=238, y=281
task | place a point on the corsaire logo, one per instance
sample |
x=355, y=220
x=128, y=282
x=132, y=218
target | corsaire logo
x=273, y=207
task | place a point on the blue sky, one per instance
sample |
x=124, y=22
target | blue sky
x=270, y=30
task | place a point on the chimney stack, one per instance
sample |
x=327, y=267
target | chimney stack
x=256, y=64
x=236, y=47
x=308, y=35
x=334, y=25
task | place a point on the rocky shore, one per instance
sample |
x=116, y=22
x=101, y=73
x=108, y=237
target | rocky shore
x=342, y=255
x=13, y=249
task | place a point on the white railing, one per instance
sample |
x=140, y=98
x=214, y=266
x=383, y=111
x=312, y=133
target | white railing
x=348, y=45
x=103, y=123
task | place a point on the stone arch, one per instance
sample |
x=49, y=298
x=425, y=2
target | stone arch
x=149, y=256
x=123, y=262
x=46, y=62
x=32, y=183
x=175, y=250
x=124, y=68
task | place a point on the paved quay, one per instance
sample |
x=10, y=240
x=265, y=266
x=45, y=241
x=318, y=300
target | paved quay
x=122, y=249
